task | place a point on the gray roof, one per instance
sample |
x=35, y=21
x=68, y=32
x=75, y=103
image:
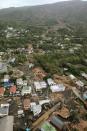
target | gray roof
x=57, y=122
x=6, y=123
x=4, y=111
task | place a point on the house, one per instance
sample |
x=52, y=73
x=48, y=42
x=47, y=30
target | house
x=79, y=83
x=72, y=77
x=57, y=122
x=13, y=89
x=84, y=75
x=30, y=49
x=26, y=104
x=57, y=88
x=26, y=90
x=85, y=95
x=37, y=86
x=2, y=90
x=46, y=126
x=6, y=123
x=36, y=109
x=25, y=83
x=7, y=84
x=31, y=65
x=20, y=113
x=3, y=67
x=19, y=82
x=41, y=102
x=4, y=110
x=50, y=82
x=40, y=85
x=12, y=60
x=6, y=78
x=43, y=84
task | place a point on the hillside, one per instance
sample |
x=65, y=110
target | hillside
x=70, y=12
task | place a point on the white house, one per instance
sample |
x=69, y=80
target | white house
x=79, y=83
x=84, y=75
x=50, y=82
x=41, y=102
x=72, y=77
x=4, y=110
x=26, y=90
x=25, y=83
x=19, y=82
x=57, y=88
x=40, y=85
x=6, y=78
x=36, y=109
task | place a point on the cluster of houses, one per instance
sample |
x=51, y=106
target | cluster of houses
x=80, y=84
x=12, y=32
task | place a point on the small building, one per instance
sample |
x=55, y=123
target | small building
x=19, y=82
x=57, y=88
x=50, y=82
x=7, y=84
x=85, y=95
x=43, y=84
x=2, y=90
x=57, y=122
x=6, y=123
x=36, y=109
x=47, y=127
x=41, y=102
x=26, y=90
x=30, y=49
x=20, y=113
x=13, y=89
x=31, y=65
x=25, y=82
x=84, y=75
x=26, y=104
x=79, y=83
x=40, y=85
x=6, y=78
x=4, y=110
x=72, y=77
x=3, y=67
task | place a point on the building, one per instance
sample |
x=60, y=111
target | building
x=6, y=78
x=85, y=95
x=25, y=83
x=79, y=83
x=57, y=122
x=6, y=123
x=13, y=89
x=84, y=75
x=26, y=90
x=57, y=88
x=36, y=109
x=4, y=110
x=8, y=84
x=41, y=102
x=47, y=127
x=26, y=104
x=3, y=67
x=19, y=82
x=31, y=65
x=72, y=77
x=2, y=90
x=30, y=49
x=40, y=85
x=50, y=82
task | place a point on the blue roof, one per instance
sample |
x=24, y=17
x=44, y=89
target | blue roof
x=7, y=84
x=27, y=129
